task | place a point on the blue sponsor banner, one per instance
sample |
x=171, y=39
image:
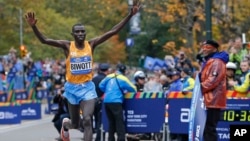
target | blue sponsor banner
x=41, y=94
x=197, y=114
x=178, y=115
x=145, y=115
x=149, y=62
x=31, y=111
x=3, y=97
x=10, y=114
x=158, y=64
x=21, y=95
x=141, y=115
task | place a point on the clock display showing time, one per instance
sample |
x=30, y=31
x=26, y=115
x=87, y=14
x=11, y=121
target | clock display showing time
x=235, y=115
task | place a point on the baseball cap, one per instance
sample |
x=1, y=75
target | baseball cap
x=211, y=42
x=231, y=65
x=104, y=66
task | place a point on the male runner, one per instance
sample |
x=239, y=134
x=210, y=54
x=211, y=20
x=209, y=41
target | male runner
x=79, y=88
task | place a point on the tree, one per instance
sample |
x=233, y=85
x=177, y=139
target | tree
x=48, y=23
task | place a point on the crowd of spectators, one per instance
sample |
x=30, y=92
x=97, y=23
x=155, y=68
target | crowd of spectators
x=178, y=77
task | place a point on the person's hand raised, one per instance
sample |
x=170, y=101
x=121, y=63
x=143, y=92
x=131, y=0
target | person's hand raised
x=136, y=6
x=30, y=18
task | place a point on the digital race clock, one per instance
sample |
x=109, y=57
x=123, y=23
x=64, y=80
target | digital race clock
x=235, y=115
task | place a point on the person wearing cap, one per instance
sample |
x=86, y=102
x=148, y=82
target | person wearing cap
x=103, y=71
x=244, y=79
x=114, y=86
x=213, y=85
x=175, y=86
x=140, y=79
x=231, y=69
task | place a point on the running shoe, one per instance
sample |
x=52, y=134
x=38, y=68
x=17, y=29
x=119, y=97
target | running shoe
x=64, y=134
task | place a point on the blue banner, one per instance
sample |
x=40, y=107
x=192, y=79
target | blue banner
x=10, y=114
x=158, y=65
x=3, y=97
x=141, y=115
x=21, y=95
x=31, y=111
x=149, y=62
x=197, y=114
x=179, y=115
x=42, y=93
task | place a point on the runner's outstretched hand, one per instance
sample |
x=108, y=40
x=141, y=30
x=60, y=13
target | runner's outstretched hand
x=136, y=7
x=30, y=18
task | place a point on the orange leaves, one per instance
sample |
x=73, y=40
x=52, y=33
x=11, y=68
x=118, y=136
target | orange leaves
x=170, y=46
x=116, y=50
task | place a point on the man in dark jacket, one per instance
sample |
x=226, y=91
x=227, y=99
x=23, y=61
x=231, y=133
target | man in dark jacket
x=213, y=86
x=103, y=70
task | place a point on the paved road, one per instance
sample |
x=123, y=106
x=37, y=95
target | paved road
x=36, y=130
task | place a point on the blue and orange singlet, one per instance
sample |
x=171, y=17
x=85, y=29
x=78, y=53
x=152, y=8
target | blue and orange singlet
x=79, y=64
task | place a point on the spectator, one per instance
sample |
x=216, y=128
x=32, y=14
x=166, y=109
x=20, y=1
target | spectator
x=175, y=86
x=169, y=60
x=153, y=84
x=183, y=61
x=165, y=82
x=231, y=69
x=244, y=87
x=114, y=86
x=213, y=86
x=237, y=54
x=61, y=113
x=139, y=77
x=187, y=80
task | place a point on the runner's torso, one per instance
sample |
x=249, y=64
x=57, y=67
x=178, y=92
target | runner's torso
x=79, y=64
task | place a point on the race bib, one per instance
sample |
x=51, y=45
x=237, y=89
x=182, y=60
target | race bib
x=80, y=65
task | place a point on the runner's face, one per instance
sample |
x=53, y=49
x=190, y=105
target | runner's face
x=79, y=33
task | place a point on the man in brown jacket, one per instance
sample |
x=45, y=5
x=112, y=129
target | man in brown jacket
x=213, y=85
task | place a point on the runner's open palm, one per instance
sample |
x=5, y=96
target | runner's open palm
x=30, y=18
x=136, y=6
